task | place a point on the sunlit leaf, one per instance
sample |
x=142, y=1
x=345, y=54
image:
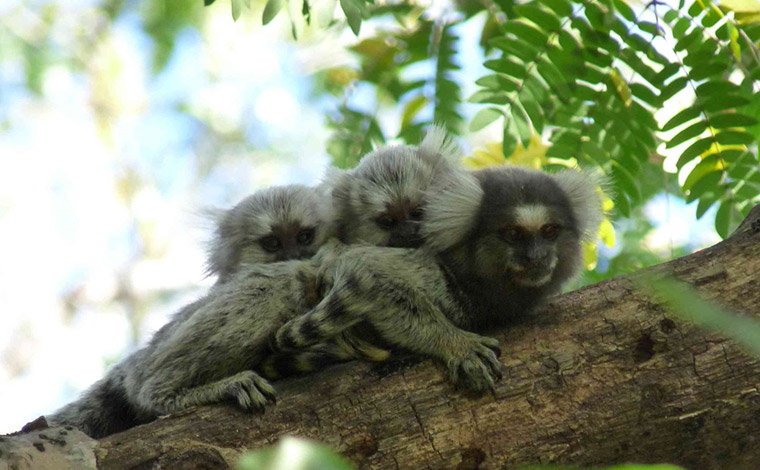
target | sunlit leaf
x=271, y=9
x=485, y=117
x=237, y=7
x=708, y=183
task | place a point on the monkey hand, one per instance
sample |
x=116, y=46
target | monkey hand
x=247, y=388
x=478, y=369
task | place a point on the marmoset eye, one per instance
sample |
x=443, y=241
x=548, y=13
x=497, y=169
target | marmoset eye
x=550, y=231
x=305, y=236
x=386, y=221
x=271, y=243
x=511, y=234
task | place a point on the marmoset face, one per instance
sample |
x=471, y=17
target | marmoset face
x=275, y=224
x=382, y=201
x=530, y=228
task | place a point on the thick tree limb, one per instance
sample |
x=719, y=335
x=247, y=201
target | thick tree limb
x=602, y=375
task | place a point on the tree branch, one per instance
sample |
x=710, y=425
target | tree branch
x=601, y=375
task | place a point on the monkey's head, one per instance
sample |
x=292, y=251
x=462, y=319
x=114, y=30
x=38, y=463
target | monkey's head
x=275, y=224
x=528, y=225
x=382, y=201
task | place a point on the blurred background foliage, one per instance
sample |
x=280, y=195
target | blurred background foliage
x=119, y=119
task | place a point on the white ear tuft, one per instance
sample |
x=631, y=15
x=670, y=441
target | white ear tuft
x=437, y=143
x=582, y=189
x=451, y=209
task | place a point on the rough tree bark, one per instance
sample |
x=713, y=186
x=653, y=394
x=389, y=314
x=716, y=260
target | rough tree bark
x=601, y=375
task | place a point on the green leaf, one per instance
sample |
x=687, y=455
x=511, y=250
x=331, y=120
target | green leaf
x=519, y=49
x=542, y=18
x=412, y=108
x=625, y=181
x=489, y=96
x=355, y=11
x=271, y=9
x=683, y=116
x=485, y=117
x=522, y=125
x=208, y=2
x=598, y=154
x=707, y=165
x=722, y=103
x=734, y=138
x=507, y=66
x=527, y=33
x=509, y=142
x=705, y=203
x=645, y=94
x=679, y=29
x=694, y=150
x=702, y=71
x=671, y=15
x=533, y=110
x=297, y=22
x=625, y=10
x=673, y=87
x=596, y=16
x=554, y=78
x=721, y=121
x=726, y=220
x=497, y=82
x=237, y=6
x=561, y=7
x=688, y=40
x=647, y=26
x=709, y=182
x=568, y=42
x=689, y=133
x=716, y=87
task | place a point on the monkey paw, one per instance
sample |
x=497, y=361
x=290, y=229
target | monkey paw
x=249, y=389
x=479, y=368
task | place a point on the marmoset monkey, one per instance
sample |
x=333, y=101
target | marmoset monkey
x=275, y=224
x=499, y=242
x=382, y=201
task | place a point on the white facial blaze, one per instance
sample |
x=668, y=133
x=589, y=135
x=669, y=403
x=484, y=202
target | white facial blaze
x=532, y=217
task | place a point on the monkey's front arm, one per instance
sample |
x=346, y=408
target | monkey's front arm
x=401, y=295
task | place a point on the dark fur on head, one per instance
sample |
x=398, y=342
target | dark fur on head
x=525, y=241
x=382, y=201
x=274, y=224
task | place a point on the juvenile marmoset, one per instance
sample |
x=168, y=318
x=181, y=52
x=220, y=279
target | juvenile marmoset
x=382, y=201
x=498, y=243
x=274, y=224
